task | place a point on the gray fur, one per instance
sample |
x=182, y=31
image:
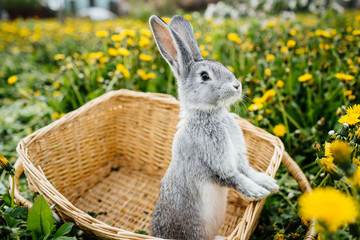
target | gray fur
x=209, y=153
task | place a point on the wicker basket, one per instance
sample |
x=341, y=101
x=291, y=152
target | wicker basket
x=109, y=156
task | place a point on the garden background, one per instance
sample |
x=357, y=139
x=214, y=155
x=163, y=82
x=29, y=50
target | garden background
x=298, y=62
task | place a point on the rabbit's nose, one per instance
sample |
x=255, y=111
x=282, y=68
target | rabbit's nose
x=236, y=86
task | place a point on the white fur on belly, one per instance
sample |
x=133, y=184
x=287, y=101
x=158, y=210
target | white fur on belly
x=214, y=199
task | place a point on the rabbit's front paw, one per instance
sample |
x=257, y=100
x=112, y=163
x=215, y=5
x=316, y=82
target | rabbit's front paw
x=256, y=192
x=266, y=182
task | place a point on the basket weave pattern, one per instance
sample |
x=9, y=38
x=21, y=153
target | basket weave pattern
x=108, y=157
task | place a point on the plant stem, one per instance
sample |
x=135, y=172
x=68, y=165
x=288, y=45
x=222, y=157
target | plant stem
x=317, y=175
x=12, y=191
x=287, y=200
x=283, y=112
x=323, y=182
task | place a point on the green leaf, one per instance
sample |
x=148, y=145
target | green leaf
x=18, y=212
x=10, y=221
x=142, y=232
x=64, y=238
x=64, y=229
x=40, y=220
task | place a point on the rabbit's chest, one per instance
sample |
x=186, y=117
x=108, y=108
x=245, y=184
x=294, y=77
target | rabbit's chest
x=214, y=198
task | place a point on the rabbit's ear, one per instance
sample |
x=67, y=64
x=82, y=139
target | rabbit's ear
x=172, y=47
x=184, y=28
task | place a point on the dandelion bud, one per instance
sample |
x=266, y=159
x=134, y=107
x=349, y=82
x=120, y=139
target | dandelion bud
x=321, y=121
x=331, y=132
x=317, y=146
x=6, y=165
x=343, y=130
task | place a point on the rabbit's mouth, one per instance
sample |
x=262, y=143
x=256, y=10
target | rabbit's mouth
x=234, y=97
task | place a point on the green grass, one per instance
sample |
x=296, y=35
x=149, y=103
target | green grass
x=47, y=88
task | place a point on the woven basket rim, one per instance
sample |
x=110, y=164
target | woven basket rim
x=80, y=217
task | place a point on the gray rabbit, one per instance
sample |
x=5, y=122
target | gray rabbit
x=208, y=152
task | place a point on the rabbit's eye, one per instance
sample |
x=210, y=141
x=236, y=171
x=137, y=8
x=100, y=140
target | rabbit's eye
x=205, y=76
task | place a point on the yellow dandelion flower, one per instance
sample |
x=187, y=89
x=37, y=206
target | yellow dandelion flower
x=344, y=77
x=103, y=59
x=102, y=34
x=280, y=84
x=271, y=24
x=356, y=161
x=145, y=76
x=317, y=204
x=279, y=236
x=267, y=72
x=351, y=119
x=55, y=115
x=37, y=93
x=305, y=78
x=59, y=57
x=145, y=58
x=353, y=109
x=293, y=32
x=255, y=107
x=12, y=80
x=57, y=84
x=146, y=32
x=322, y=33
x=328, y=164
x=284, y=49
x=269, y=93
x=124, y=71
x=187, y=17
x=300, y=51
x=166, y=19
x=279, y=130
x=144, y=41
x=204, y=53
x=113, y=52
x=128, y=32
x=230, y=68
x=117, y=37
x=259, y=100
x=341, y=151
x=208, y=39
x=356, y=32
x=352, y=97
x=291, y=43
x=130, y=42
x=347, y=93
x=327, y=149
x=96, y=55
x=56, y=94
x=123, y=52
x=75, y=55
x=234, y=38
x=270, y=58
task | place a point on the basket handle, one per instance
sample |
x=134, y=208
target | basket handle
x=18, y=197
x=304, y=185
